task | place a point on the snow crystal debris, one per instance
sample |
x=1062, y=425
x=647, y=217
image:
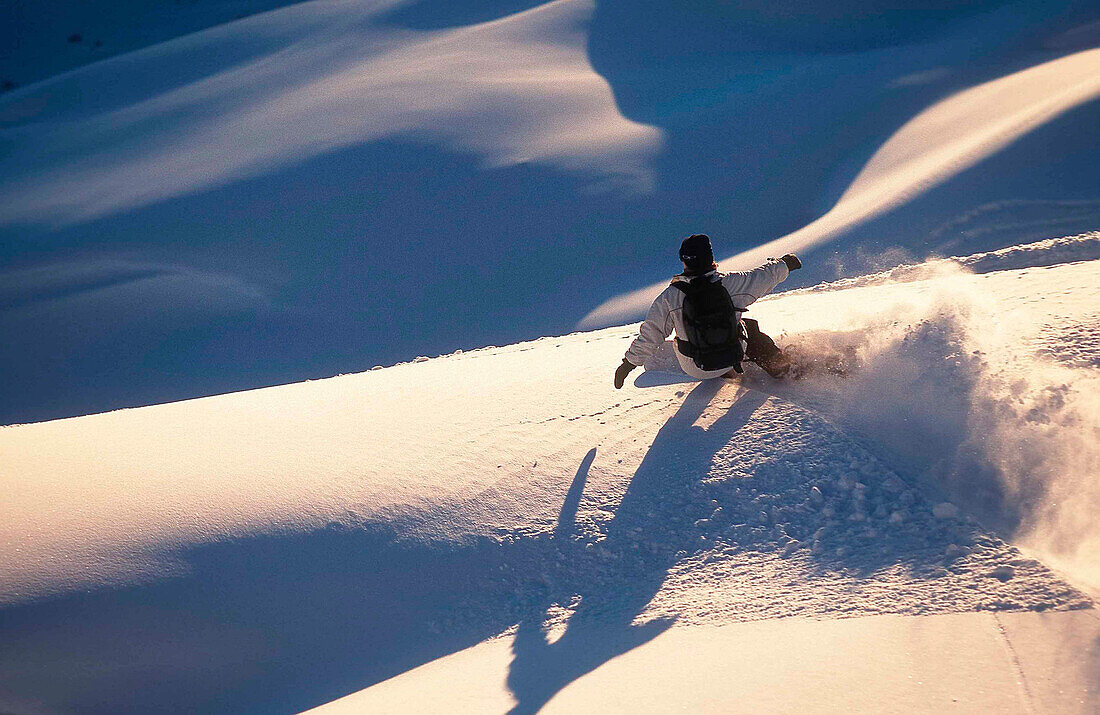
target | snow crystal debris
x=945, y=510
x=954, y=551
x=893, y=484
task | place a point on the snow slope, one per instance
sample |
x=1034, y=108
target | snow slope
x=342, y=183
x=873, y=664
x=943, y=140
x=278, y=549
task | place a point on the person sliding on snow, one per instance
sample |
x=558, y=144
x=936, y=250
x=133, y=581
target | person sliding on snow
x=705, y=308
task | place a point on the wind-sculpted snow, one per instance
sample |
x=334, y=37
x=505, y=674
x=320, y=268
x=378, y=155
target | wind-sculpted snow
x=314, y=79
x=276, y=549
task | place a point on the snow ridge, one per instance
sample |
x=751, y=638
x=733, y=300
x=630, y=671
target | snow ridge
x=1048, y=252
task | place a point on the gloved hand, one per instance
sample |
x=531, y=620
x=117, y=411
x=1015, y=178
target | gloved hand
x=793, y=264
x=622, y=372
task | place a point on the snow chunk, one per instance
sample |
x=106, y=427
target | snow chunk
x=893, y=484
x=945, y=510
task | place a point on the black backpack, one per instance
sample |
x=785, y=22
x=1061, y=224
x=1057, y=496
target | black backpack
x=714, y=332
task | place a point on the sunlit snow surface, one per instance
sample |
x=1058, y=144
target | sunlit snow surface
x=323, y=536
x=343, y=183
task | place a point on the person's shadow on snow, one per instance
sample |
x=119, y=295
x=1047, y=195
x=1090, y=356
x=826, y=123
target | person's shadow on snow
x=653, y=526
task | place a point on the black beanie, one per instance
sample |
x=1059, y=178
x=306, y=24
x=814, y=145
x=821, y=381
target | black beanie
x=696, y=253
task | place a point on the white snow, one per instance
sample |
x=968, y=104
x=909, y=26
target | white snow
x=943, y=140
x=253, y=198
x=248, y=202
x=974, y=663
x=314, y=78
x=427, y=507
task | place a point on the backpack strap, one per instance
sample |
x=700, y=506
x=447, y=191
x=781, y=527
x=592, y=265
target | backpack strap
x=691, y=285
x=686, y=287
x=684, y=346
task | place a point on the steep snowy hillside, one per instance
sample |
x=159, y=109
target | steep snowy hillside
x=529, y=535
x=342, y=183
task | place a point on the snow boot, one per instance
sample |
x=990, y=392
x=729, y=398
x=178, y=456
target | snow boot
x=764, y=352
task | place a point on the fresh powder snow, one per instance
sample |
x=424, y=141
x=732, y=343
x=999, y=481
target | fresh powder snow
x=310, y=312
x=325, y=536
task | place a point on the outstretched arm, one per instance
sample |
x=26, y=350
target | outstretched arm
x=747, y=287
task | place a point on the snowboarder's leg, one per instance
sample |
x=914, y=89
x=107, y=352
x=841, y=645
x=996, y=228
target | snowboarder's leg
x=764, y=352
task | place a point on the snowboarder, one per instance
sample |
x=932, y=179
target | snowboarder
x=705, y=309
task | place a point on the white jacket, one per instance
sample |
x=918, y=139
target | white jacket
x=666, y=313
